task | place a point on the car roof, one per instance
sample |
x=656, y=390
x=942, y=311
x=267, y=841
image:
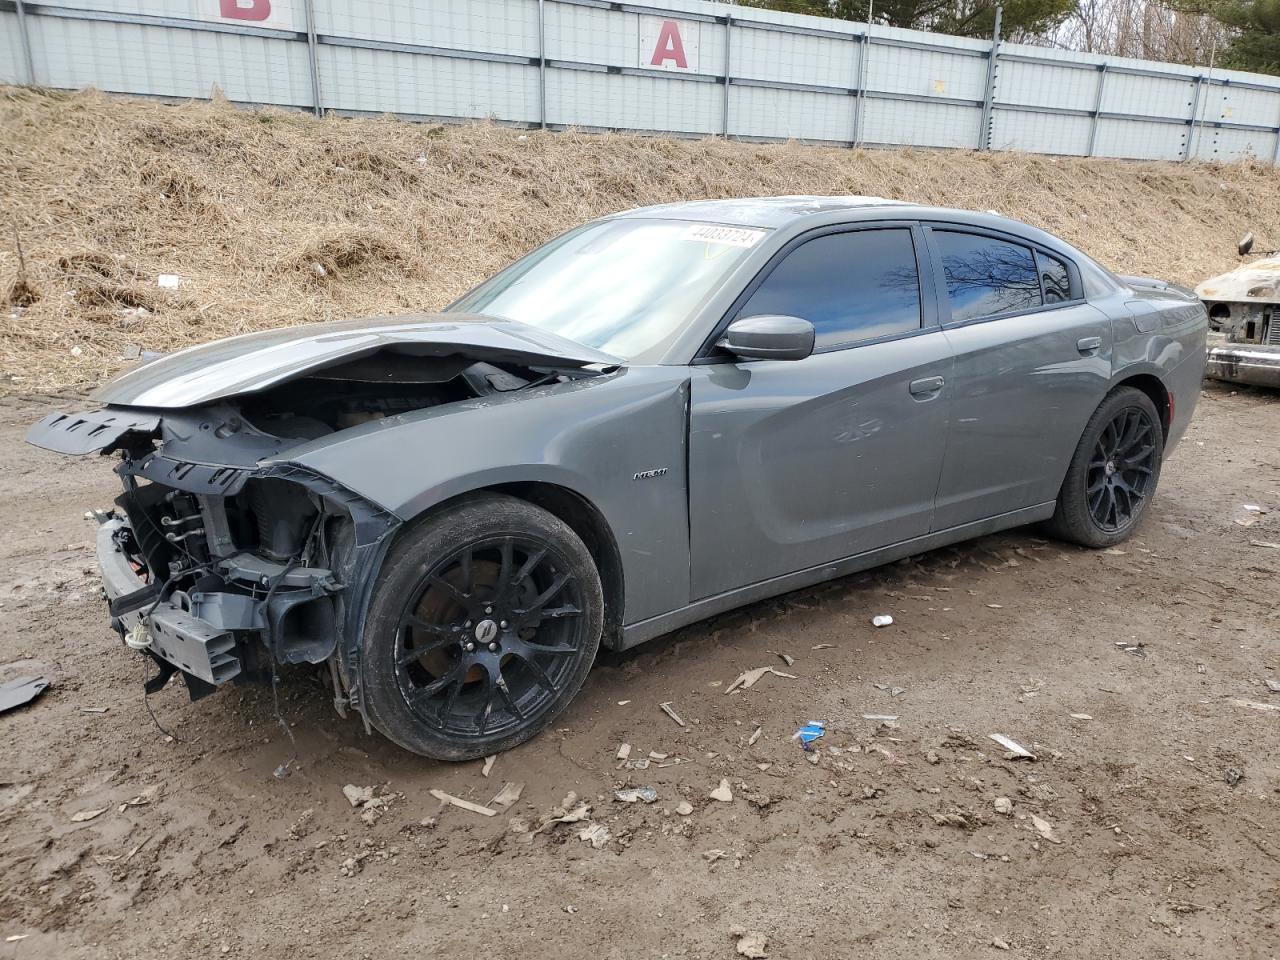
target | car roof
x=758, y=211
x=789, y=211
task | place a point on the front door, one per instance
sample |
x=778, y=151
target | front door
x=793, y=464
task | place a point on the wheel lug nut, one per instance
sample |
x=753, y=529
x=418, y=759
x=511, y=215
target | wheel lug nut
x=470, y=647
x=493, y=648
x=488, y=609
x=503, y=624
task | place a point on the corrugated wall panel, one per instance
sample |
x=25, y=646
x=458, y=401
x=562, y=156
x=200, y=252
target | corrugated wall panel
x=920, y=124
x=378, y=81
x=1148, y=96
x=285, y=14
x=794, y=58
x=948, y=75
x=491, y=26
x=13, y=68
x=790, y=114
x=1214, y=143
x=1243, y=105
x=581, y=98
x=1040, y=132
x=163, y=61
x=1046, y=85
x=926, y=73
x=1140, y=140
x=592, y=35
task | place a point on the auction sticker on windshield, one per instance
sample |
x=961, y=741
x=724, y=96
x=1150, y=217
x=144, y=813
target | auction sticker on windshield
x=733, y=236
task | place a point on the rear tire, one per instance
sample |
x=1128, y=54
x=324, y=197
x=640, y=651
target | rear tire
x=1113, y=473
x=482, y=627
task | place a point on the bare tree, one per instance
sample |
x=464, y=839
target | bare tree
x=1138, y=28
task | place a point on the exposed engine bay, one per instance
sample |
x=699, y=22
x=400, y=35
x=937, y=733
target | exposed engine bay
x=221, y=559
x=1244, y=320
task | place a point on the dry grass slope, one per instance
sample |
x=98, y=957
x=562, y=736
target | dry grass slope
x=273, y=218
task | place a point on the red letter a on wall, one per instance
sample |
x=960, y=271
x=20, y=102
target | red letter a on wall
x=668, y=47
x=246, y=9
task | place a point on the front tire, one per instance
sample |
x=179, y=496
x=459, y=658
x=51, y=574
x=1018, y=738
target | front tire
x=482, y=627
x=1114, y=472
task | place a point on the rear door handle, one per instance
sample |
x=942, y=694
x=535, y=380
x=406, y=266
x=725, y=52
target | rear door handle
x=1088, y=344
x=926, y=386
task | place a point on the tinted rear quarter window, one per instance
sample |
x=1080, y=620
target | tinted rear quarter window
x=1054, y=279
x=851, y=286
x=986, y=276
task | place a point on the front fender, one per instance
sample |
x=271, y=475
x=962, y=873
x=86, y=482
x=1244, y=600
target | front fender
x=617, y=441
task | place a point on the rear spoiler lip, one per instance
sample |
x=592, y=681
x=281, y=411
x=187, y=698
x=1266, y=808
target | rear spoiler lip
x=1152, y=283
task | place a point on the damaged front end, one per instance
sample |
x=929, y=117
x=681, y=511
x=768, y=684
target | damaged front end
x=1244, y=323
x=217, y=561
x=223, y=557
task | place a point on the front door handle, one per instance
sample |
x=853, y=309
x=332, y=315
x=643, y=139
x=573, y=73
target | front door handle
x=926, y=386
x=1088, y=344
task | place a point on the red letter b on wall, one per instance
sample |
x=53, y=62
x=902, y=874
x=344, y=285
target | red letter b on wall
x=246, y=9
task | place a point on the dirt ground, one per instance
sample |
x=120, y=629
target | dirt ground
x=889, y=846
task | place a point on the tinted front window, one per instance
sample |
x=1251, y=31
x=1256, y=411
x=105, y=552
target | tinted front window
x=986, y=276
x=1053, y=278
x=850, y=286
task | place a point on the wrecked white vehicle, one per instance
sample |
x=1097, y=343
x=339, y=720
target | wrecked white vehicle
x=1244, y=329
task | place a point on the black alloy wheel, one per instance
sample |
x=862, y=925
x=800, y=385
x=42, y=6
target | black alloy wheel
x=482, y=626
x=488, y=637
x=1113, y=473
x=1123, y=463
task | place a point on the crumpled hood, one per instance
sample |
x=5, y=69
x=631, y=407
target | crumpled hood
x=257, y=361
x=1235, y=285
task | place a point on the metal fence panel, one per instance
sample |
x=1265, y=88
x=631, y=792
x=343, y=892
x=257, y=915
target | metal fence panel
x=687, y=67
x=1236, y=104
x=378, y=81
x=492, y=26
x=914, y=123
x=1040, y=132
x=1148, y=96
x=1047, y=85
x=285, y=14
x=162, y=61
x=926, y=73
x=824, y=61
x=1140, y=139
x=630, y=102
x=592, y=35
x=1226, y=144
x=13, y=67
x=790, y=114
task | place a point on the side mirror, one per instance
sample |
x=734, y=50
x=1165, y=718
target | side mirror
x=1245, y=244
x=769, y=338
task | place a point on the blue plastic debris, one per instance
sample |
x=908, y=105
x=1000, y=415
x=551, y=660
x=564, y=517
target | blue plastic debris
x=810, y=732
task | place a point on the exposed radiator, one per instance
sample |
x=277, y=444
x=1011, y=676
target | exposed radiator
x=1272, y=327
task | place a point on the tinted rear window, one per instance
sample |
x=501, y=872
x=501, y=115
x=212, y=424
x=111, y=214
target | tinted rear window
x=986, y=276
x=851, y=286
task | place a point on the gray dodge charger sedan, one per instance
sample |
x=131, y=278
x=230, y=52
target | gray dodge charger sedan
x=657, y=417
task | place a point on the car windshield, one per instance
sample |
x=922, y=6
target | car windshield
x=626, y=287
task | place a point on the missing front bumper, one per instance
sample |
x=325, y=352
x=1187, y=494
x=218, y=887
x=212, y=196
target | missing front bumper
x=164, y=629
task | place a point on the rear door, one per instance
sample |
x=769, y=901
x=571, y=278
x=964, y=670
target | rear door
x=796, y=463
x=1032, y=363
